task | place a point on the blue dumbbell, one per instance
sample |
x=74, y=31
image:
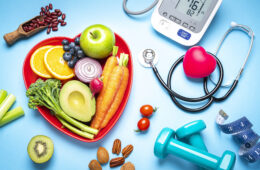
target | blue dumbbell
x=166, y=144
x=191, y=133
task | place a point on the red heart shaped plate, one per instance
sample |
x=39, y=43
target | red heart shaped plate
x=30, y=77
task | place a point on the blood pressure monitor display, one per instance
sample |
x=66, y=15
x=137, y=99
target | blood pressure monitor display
x=184, y=21
x=195, y=9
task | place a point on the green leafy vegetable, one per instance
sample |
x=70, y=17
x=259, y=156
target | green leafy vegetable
x=12, y=115
x=46, y=93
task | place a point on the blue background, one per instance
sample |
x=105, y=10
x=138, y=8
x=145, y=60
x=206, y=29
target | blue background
x=138, y=33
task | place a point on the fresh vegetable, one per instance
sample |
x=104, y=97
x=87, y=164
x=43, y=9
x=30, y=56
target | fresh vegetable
x=12, y=115
x=75, y=130
x=121, y=91
x=6, y=104
x=96, y=86
x=40, y=149
x=87, y=69
x=110, y=64
x=147, y=110
x=3, y=95
x=46, y=93
x=76, y=101
x=143, y=124
x=110, y=93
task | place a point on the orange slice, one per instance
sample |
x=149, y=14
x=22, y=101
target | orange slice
x=56, y=65
x=37, y=62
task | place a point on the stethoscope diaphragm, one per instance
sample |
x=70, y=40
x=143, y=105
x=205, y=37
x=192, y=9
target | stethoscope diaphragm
x=147, y=57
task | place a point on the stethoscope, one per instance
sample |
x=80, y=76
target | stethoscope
x=149, y=57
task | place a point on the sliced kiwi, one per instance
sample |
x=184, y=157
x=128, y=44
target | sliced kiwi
x=40, y=149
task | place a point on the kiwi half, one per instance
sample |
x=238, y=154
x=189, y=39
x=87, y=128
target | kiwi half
x=40, y=149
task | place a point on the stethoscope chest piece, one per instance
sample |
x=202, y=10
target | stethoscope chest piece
x=147, y=58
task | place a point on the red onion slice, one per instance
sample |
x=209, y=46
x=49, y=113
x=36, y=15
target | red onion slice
x=87, y=69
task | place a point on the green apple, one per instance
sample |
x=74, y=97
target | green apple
x=97, y=41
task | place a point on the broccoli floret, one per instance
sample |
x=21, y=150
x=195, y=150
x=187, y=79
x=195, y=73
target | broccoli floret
x=46, y=93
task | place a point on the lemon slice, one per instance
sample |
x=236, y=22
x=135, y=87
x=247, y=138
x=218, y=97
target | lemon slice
x=56, y=65
x=37, y=62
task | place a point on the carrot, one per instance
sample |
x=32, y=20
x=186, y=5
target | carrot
x=120, y=93
x=109, y=66
x=109, y=95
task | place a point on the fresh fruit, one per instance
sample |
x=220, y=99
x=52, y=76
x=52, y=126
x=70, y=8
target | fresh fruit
x=77, y=40
x=66, y=47
x=143, y=124
x=97, y=41
x=87, y=69
x=37, y=62
x=96, y=86
x=80, y=54
x=65, y=42
x=94, y=165
x=67, y=56
x=40, y=149
x=74, y=50
x=76, y=100
x=147, y=110
x=72, y=45
x=72, y=62
x=102, y=155
x=56, y=65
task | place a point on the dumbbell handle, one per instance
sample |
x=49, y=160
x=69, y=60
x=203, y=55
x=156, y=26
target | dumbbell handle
x=196, y=141
x=192, y=154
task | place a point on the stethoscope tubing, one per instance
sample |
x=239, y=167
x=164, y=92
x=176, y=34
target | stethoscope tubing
x=175, y=96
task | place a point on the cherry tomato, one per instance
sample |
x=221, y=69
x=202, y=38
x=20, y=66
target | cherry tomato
x=143, y=124
x=147, y=110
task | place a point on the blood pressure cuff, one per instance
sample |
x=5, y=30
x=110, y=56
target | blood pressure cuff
x=243, y=134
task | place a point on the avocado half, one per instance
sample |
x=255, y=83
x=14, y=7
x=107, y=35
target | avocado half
x=76, y=100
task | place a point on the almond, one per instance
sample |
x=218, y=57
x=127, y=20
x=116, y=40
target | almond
x=127, y=150
x=116, y=147
x=128, y=166
x=117, y=161
x=94, y=165
x=102, y=155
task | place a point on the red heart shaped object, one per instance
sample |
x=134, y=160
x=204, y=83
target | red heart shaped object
x=30, y=77
x=197, y=63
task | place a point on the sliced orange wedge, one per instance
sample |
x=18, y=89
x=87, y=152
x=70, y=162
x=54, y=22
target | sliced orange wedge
x=37, y=62
x=56, y=65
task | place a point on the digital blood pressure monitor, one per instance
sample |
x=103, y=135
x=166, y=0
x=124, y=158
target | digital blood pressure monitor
x=184, y=21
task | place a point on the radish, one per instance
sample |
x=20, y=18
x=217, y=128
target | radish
x=96, y=86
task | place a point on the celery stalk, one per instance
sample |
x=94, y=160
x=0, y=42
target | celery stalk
x=12, y=115
x=3, y=95
x=75, y=130
x=6, y=104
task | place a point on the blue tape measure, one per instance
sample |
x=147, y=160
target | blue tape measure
x=243, y=134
